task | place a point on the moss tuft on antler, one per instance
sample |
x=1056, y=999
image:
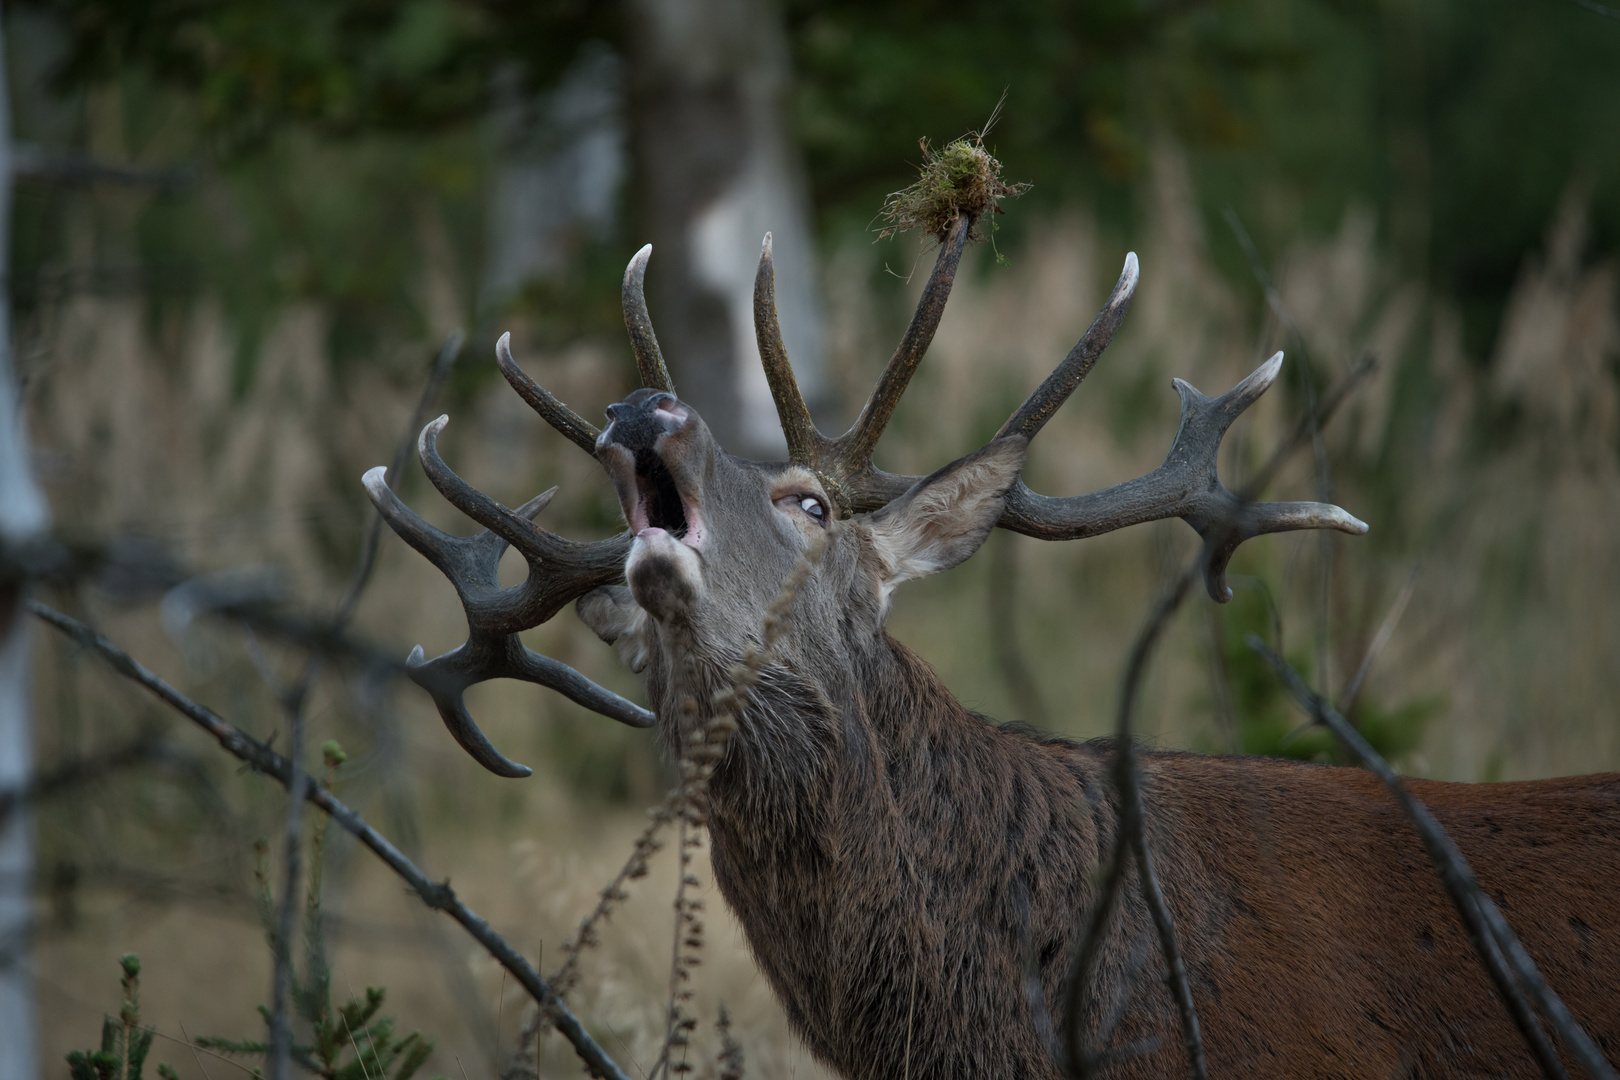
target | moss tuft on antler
x=963, y=178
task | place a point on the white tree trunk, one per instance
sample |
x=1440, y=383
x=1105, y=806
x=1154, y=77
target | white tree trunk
x=22, y=516
x=717, y=169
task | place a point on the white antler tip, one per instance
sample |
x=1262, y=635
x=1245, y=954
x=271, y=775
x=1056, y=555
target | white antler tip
x=417, y=657
x=375, y=480
x=1263, y=376
x=765, y=246
x=430, y=434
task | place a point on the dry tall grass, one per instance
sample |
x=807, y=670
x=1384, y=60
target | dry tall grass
x=1496, y=474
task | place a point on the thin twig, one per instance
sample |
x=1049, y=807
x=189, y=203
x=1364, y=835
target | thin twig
x=194, y=1048
x=360, y=1058
x=1324, y=481
x=1352, y=689
x=1132, y=837
x=1079, y=1062
x=368, y=548
x=703, y=745
x=262, y=759
x=294, y=702
x=1489, y=932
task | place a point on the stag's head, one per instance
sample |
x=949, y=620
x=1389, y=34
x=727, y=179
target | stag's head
x=715, y=535
x=712, y=536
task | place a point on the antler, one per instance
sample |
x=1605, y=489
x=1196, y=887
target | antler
x=559, y=571
x=845, y=463
x=1187, y=485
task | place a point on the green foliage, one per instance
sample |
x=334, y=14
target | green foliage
x=1268, y=723
x=349, y=1042
x=334, y=66
x=316, y=128
x=124, y=1042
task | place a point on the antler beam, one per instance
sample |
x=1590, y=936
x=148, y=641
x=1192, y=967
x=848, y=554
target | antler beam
x=1187, y=485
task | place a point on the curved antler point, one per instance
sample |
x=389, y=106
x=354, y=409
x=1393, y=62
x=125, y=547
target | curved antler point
x=375, y=477
x=417, y=657
x=638, y=262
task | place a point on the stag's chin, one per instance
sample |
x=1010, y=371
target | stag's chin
x=665, y=574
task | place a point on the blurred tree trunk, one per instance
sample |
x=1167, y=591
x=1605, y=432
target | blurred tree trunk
x=22, y=517
x=716, y=169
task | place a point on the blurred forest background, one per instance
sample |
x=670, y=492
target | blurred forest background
x=243, y=230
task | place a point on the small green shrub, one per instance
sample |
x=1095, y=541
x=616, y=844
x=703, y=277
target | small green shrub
x=124, y=1042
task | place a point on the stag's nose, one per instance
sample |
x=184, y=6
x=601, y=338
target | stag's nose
x=636, y=422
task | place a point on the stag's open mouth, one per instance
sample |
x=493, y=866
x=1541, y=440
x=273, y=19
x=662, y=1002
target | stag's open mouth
x=660, y=503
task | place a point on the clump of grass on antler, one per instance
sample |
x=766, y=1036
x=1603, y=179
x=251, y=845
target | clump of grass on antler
x=963, y=178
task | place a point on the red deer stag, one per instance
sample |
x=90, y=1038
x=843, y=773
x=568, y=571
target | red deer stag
x=899, y=863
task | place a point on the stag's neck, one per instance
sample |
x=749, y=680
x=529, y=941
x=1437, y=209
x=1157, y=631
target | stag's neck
x=865, y=828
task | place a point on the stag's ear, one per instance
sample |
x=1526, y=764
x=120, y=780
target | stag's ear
x=945, y=517
x=615, y=617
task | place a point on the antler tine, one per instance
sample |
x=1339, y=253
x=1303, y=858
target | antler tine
x=485, y=656
x=1187, y=486
x=581, y=432
x=437, y=547
x=802, y=437
x=649, y=359
x=520, y=532
x=1033, y=414
x=559, y=570
x=856, y=445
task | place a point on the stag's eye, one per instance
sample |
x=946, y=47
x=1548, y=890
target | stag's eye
x=807, y=504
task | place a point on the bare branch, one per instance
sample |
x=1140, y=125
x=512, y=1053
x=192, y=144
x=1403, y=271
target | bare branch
x=1490, y=933
x=269, y=763
x=1352, y=689
x=1132, y=839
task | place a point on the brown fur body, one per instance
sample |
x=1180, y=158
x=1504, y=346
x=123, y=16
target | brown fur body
x=894, y=912
x=896, y=860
